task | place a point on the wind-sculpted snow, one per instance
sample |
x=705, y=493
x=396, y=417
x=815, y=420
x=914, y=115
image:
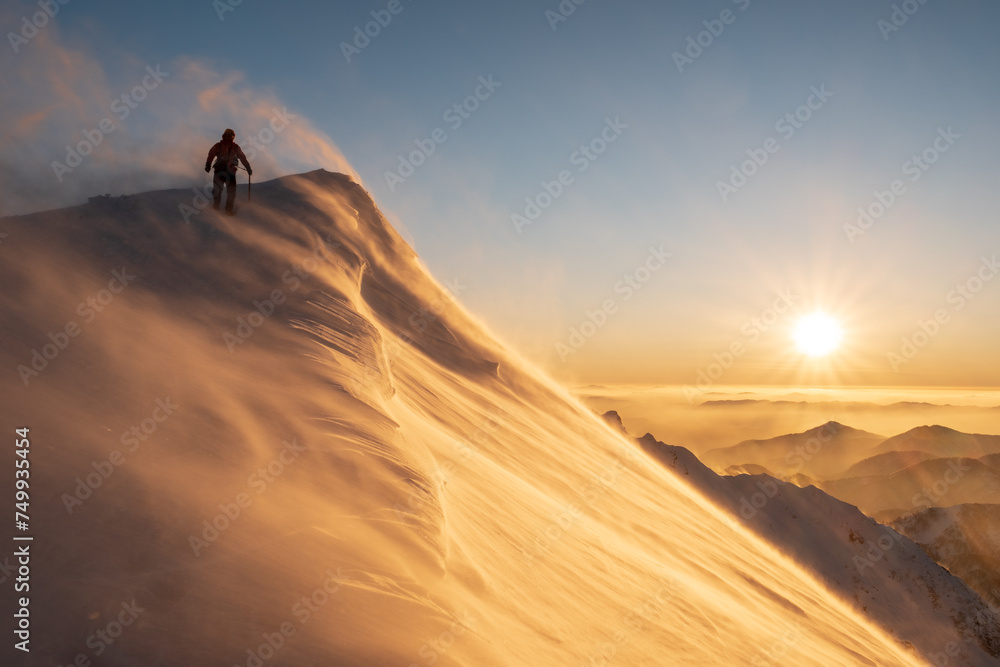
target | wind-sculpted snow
x=275, y=440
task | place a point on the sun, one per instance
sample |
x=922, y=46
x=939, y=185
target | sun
x=817, y=335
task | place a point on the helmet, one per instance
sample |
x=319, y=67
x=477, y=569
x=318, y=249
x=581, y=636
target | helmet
x=229, y=134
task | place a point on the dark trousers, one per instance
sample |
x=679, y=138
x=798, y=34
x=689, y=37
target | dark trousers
x=227, y=179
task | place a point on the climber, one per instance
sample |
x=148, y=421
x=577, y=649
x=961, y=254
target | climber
x=227, y=154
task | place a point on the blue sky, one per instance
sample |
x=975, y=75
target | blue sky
x=657, y=183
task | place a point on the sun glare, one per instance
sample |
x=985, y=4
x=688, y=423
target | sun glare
x=817, y=335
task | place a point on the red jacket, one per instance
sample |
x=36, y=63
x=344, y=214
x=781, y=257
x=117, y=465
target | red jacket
x=227, y=153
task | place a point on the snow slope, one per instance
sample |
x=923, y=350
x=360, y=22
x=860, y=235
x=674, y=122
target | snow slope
x=276, y=440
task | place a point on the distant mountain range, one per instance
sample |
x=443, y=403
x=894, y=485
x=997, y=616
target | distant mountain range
x=940, y=441
x=898, y=405
x=826, y=451
x=881, y=572
x=927, y=466
x=886, y=464
x=930, y=483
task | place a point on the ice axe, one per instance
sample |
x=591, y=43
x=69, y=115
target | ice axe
x=249, y=180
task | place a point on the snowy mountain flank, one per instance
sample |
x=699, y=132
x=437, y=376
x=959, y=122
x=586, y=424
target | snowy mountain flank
x=276, y=440
x=885, y=574
x=963, y=538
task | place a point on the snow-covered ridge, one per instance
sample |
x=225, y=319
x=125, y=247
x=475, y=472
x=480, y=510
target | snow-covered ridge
x=350, y=469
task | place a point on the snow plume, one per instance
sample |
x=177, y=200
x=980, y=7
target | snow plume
x=75, y=129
